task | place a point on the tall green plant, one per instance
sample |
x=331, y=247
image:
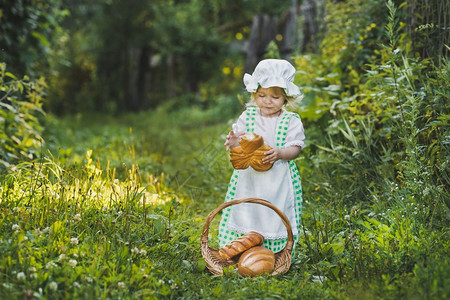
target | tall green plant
x=20, y=112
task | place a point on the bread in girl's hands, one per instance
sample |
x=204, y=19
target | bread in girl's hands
x=245, y=242
x=250, y=153
x=256, y=261
x=251, y=142
x=256, y=159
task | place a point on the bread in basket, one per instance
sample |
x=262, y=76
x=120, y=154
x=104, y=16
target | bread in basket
x=215, y=263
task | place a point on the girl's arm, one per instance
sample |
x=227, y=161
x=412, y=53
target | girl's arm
x=275, y=154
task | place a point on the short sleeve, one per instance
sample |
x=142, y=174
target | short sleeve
x=241, y=126
x=295, y=135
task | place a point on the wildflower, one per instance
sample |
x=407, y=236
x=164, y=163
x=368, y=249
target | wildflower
x=121, y=285
x=50, y=265
x=347, y=217
x=76, y=285
x=88, y=279
x=21, y=276
x=72, y=263
x=143, y=252
x=53, y=286
x=116, y=181
x=135, y=250
x=32, y=269
x=46, y=230
x=62, y=257
x=77, y=217
x=74, y=241
x=16, y=209
x=15, y=227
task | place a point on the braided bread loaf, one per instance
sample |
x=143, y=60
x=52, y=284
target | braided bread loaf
x=250, y=153
x=247, y=241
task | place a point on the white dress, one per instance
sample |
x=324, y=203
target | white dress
x=280, y=185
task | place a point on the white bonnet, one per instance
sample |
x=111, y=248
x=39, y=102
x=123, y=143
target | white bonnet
x=270, y=73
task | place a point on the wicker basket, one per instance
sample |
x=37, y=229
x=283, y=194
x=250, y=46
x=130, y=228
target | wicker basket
x=216, y=264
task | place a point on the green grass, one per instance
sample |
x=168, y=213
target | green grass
x=116, y=206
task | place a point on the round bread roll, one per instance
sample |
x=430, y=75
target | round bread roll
x=236, y=247
x=256, y=261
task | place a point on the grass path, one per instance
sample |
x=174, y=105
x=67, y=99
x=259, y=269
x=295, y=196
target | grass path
x=117, y=212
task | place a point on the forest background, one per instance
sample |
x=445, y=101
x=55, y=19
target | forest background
x=113, y=116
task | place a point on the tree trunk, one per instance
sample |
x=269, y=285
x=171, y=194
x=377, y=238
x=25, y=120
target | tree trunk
x=142, y=80
x=131, y=94
x=310, y=26
x=288, y=31
x=263, y=31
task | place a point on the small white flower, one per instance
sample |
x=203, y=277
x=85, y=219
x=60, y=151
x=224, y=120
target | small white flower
x=135, y=250
x=33, y=275
x=16, y=209
x=32, y=269
x=320, y=279
x=51, y=265
x=25, y=238
x=347, y=217
x=77, y=217
x=74, y=241
x=121, y=285
x=73, y=263
x=62, y=257
x=53, y=286
x=76, y=285
x=116, y=181
x=21, y=276
x=46, y=230
x=143, y=252
x=15, y=227
x=88, y=279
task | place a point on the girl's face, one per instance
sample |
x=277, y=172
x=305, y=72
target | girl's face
x=270, y=101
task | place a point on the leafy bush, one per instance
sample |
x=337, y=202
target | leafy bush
x=21, y=109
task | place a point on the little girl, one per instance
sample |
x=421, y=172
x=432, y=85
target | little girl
x=271, y=87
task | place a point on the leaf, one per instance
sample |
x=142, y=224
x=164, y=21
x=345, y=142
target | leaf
x=200, y=265
x=42, y=39
x=10, y=75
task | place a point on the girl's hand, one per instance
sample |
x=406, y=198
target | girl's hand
x=275, y=154
x=272, y=156
x=233, y=139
